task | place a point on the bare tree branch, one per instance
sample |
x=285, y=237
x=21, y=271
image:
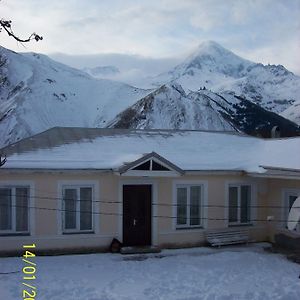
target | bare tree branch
x=6, y=25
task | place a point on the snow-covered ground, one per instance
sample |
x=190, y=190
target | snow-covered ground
x=198, y=273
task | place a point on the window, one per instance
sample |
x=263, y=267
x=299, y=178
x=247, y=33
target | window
x=14, y=211
x=189, y=202
x=151, y=165
x=77, y=209
x=239, y=210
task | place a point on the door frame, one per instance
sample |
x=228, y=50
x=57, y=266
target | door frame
x=154, y=198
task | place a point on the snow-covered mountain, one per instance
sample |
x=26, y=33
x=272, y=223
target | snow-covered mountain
x=220, y=70
x=170, y=107
x=37, y=93
x=293, y=112
x=102, y=71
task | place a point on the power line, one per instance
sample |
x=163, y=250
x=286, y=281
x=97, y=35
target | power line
x=118, y=215
x=152, y=204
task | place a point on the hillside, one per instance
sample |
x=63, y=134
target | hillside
x=271, y=86
x=212, y=90
x=37, y=93
x=169, y=107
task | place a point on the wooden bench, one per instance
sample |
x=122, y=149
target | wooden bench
x=220, y=237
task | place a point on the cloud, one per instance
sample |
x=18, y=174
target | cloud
x=286, y=54
x=259, y=29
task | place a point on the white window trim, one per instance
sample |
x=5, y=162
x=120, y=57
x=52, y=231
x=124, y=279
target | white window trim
x=285, y=194
x=253, y=201
x=204, y=202
x=95, y=207
x=31, y=212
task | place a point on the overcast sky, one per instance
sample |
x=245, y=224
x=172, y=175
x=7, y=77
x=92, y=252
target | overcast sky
x=265, y=31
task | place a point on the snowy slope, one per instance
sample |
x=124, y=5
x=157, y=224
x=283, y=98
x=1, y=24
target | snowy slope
x=273, y=87
x=37, y=93
x=102, y=71
x=293, y=112
x=170, y=107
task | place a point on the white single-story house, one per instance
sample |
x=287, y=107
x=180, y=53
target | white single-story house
x=70, y=189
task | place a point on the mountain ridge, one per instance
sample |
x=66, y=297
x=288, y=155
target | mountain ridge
x=271, y=86
x=37, y=93
x=171, y=108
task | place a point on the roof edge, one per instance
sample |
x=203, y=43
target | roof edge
x=280, y=169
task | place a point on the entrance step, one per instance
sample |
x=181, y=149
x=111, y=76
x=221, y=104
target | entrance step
x=140, y=250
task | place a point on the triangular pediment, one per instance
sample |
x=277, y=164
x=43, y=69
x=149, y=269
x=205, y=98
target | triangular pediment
x=151, y=164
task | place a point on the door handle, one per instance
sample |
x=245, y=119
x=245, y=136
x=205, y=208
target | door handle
x=134, y=222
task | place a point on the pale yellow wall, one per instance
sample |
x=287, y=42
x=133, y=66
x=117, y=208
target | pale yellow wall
x=47, y=229
x=217, y=187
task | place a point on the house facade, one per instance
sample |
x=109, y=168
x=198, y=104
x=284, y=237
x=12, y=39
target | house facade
x=73, y=189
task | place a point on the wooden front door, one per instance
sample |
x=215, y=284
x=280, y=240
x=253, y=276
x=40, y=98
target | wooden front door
x=137, y=215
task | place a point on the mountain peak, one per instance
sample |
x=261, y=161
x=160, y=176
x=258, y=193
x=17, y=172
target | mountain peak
x=208, y=45
x=212, y=51
x=211, y=58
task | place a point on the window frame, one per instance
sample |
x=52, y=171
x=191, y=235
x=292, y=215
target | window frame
x=77, y=187
x=252, y=198
x=14, y=231
x=188, y=185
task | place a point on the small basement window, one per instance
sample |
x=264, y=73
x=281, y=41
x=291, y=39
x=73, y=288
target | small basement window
x=151, y=165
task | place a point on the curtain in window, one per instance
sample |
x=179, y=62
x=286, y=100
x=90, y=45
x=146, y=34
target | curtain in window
x=245, y=203
x=70, y=198
x=181, y=206
x=5, y=209
x=22, y=209
x=195, y=201
x=233, y=204
x=85, y=208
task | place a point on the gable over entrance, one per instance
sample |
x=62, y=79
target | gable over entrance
x=151, y=165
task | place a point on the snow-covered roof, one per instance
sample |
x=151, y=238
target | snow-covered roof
x=111, y=149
